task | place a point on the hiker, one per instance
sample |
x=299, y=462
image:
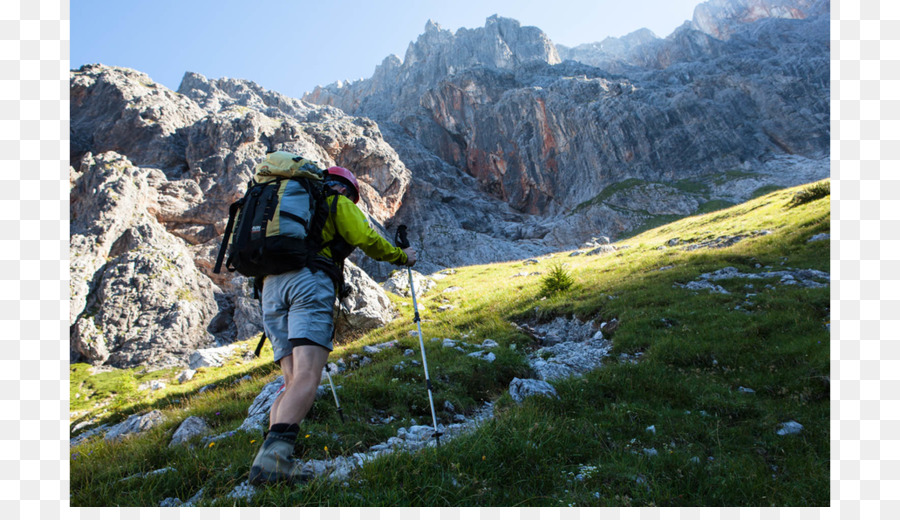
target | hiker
x=297, y=317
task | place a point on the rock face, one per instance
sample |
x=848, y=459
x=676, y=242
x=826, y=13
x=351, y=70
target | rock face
x=548, y=137
x=137, y=297
x=190, y=428
x=154, y=172
x=366, y=308
x=722, y=18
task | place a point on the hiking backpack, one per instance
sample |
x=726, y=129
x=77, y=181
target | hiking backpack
x=277, y=226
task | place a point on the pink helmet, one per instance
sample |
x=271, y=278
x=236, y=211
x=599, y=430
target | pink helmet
x=346, y=174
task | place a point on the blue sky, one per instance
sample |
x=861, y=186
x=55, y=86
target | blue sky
x=292, y=46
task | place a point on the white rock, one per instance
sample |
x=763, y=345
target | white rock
x=135, y=424
x=194, y=499
x=258, y=413
x=398, y=284
x=519, y=389
x=187, y=375
x=790, y=428
x=244, y=490
x=448, y=343
x=189, y=428
x=368, y=349
x=652, y=429
x=152, y=385
x=490, y=357
x=210, y=357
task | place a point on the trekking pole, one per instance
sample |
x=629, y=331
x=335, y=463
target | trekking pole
x=334, y=392
x=403, y=242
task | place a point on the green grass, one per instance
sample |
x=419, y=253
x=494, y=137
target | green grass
x=765, y=190
x=715, y=446
x=700, y=185
x=611, y=190
x=812, y=192
x=714, y=205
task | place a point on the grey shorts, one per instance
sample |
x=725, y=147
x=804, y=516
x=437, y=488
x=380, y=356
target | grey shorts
x=296, y=305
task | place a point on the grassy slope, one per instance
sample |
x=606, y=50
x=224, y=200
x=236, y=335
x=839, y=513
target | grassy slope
x=716, y=446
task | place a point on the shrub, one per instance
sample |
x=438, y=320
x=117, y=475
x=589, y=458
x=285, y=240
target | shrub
x=814, y=192
x=557, y=280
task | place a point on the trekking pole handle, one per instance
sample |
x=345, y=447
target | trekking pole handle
x=400, y=238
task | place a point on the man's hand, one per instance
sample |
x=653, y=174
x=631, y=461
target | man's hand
x=410, y=257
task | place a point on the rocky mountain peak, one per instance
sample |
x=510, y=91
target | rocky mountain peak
x=720, y=18
x=502, y=44
x=432, y=27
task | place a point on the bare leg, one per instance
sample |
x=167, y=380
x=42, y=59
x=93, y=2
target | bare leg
x=287, y=369
x=305, y=368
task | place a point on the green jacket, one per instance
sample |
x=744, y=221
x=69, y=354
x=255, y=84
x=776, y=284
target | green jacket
x=355, y=229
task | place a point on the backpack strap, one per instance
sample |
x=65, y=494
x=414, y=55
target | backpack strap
x=259, y=345
x=232, y=211
x=257, y=294
x=340, y=250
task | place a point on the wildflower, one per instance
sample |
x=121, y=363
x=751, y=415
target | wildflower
x=211, y=445
x=218, y=413
x=307, y=436
x=483, y=457
x=252, y=441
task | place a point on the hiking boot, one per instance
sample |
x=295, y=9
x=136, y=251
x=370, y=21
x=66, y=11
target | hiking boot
x=274, y=463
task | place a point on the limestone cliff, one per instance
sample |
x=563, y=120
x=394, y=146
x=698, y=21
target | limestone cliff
x=546, y=136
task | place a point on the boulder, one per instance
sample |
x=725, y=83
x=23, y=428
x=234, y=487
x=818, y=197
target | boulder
x=210, y=357
x=519, y=389
x=189, y=428
x=366, y=308
x=136, y=423
x=258, y=413
x=186, y=375
x=789, y=428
